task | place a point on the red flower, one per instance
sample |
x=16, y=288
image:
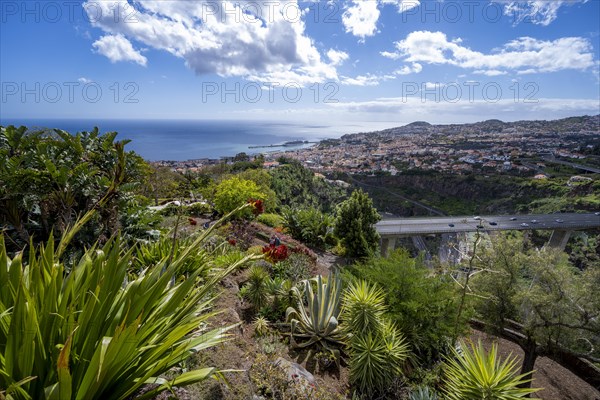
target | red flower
x=257, y=206
x=275, y=253
x=232, y=242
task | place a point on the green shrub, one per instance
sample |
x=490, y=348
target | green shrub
x=422, y=304
x=198, y=209
x=475, y=375
x=363, y=308
x=354, y=225
x=256, y=289
x=170, y=210
x=376, y=359
x=295, y=268
x=234, y=192
x=93, y=333
x=310, y=226
x=272, y=220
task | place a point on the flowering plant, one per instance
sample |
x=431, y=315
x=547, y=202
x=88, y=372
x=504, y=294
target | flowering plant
x=275, y=253
x=258, y=206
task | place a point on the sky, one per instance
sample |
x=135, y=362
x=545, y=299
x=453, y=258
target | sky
x=380, y=62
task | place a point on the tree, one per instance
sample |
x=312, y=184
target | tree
x=241, y=157
x=233, y=192
x=537, y=299
x=354, y=225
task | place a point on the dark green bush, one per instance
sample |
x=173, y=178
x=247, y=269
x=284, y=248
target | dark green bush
x=198, y=209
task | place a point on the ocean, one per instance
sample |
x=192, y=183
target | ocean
x=181, y=140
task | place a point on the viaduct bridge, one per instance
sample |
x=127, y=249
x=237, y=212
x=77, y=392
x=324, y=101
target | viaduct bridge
x=561, y=225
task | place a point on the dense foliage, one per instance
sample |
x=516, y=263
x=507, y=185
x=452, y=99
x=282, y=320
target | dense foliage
x=310, y=226
x=233, y=192
x=97, y=332
x=50, y=178
x=354, y=225
x=422, y=304
x=555, y=306
x=298, y=187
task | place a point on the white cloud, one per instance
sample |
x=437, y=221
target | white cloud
x=392, y=55
x=374, y=80
x=362, y=16
x=432, y=85
x=490, y=72
x=84, y=80
x=521, y=55
x=366, y=80
x=265, y=41
x=337, y=57
x=415, y=68
x=424, y=107
x=539, y=12
x=118, y=48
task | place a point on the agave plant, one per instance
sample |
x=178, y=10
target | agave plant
x=317, y=323
x=423, y=393
x=91, y=333
x=376, y=358
x=475, y=374
x=363, y=307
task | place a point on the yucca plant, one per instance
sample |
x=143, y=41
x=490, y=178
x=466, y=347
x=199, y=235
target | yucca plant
x=153, y=253
x=363, y=307
x=317, y=323
x=477, y=375
x=261, y=326
x=256, y=290
x=90, y=333
x=376, y=358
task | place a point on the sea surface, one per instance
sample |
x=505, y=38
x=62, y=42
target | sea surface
x=192, y=139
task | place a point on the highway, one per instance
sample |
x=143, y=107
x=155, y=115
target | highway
x=572, y=165
x=425, y=225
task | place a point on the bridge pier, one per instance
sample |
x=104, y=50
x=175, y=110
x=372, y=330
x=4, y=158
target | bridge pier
x=559, y=239
x=420, y=245
x=387, y=244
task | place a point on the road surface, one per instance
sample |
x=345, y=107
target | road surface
x=426, y=225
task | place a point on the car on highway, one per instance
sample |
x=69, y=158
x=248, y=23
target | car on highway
x=451, y=225
x=478, y=218
x=524, y=224
x=493, y=223
x=513, y=219
x=560, y=221
x=597, y=213
x=534, y=221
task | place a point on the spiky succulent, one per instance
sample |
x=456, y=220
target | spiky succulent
x=475, y=374
x=317, y=322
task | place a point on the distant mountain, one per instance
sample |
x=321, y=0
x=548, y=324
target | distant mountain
x=565, y=125
x=417, y=124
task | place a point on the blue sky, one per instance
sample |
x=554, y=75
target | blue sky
x=384, y=62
